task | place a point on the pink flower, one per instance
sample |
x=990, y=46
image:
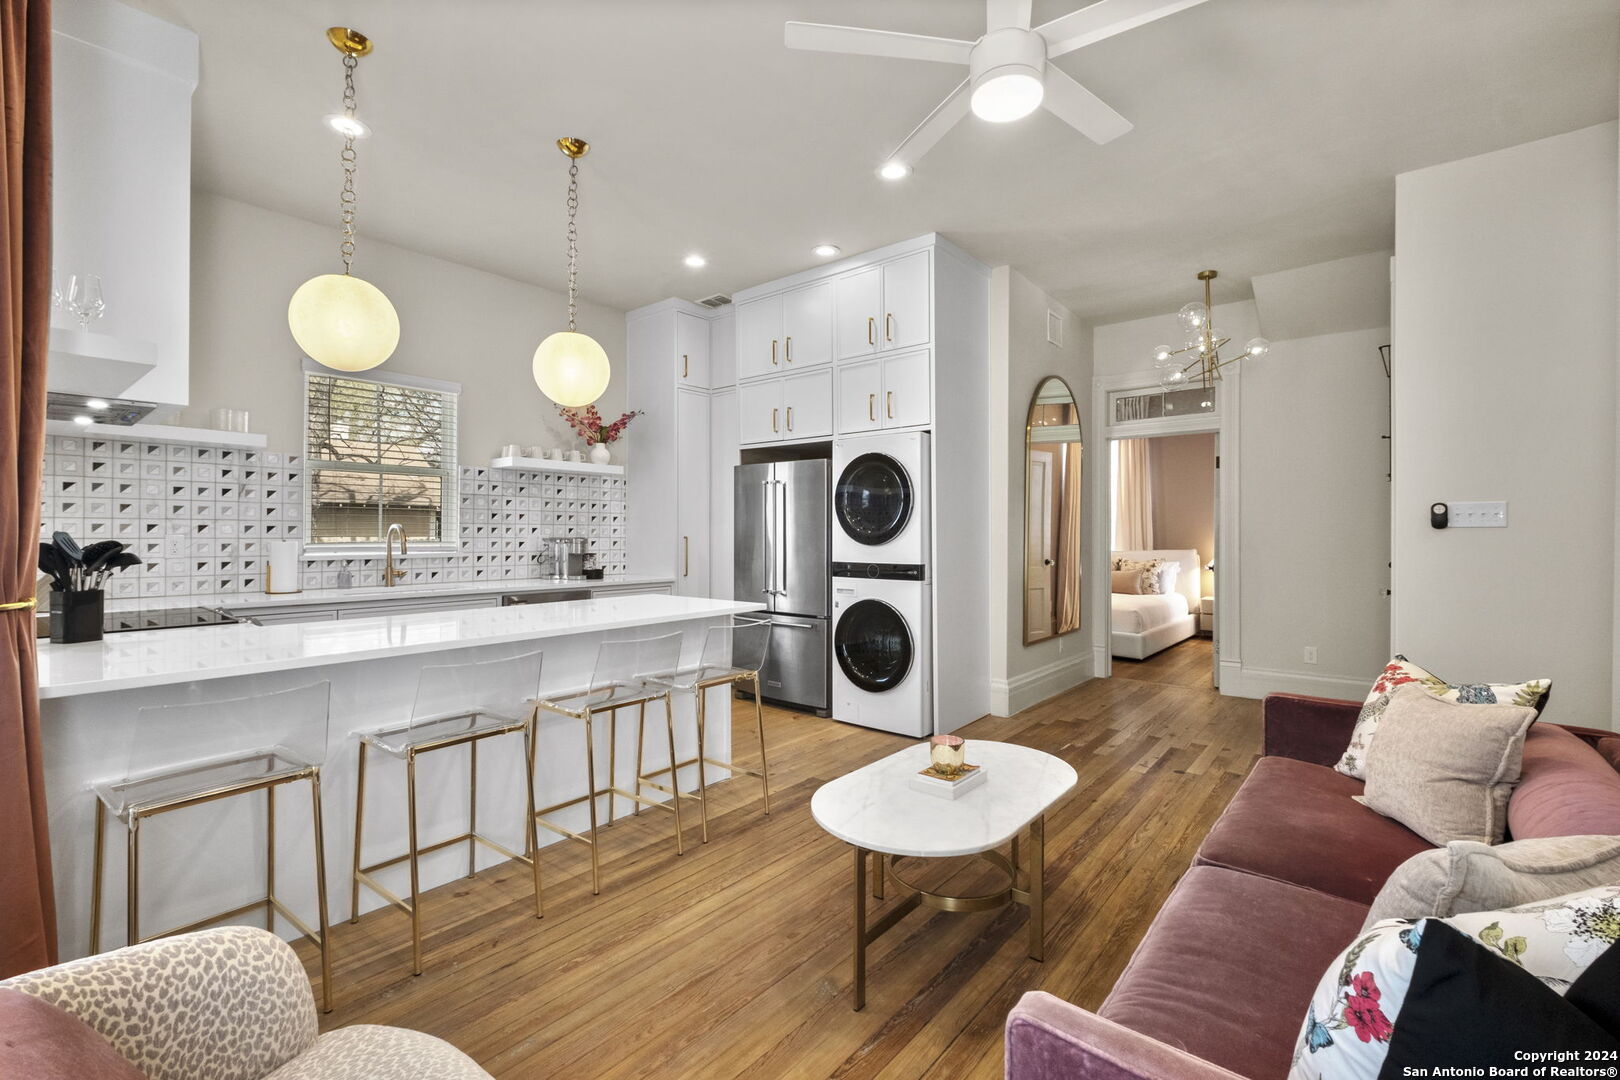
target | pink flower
x=1362, y=1013
x=1365, y=985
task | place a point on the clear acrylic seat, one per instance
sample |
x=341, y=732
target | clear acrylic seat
x=457, y=701
x=628, y=672
x=730, y=653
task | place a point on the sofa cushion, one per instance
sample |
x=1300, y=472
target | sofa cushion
x=41, y=1042
x=1298, y=822
x=1467, y=876
x=1228, y=966
x=1566, y=788
x=373, y=1052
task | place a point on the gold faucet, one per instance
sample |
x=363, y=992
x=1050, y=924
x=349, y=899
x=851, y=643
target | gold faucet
x=390, y=575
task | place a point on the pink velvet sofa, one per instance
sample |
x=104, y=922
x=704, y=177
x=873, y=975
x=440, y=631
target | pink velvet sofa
x=1284, y=880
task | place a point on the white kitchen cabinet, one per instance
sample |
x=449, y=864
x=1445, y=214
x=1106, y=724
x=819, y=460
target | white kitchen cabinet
x=723, y=461
x=759, y=337
x=807, y=329
x=907, y=314
x=759, y=412
x=691, y=493
x=858, y=299
x=906, y=391
x=807, y=407
x=691, y=350
x=723, y=349
x=860, y=397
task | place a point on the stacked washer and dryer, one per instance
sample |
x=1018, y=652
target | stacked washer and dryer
x=882, y=673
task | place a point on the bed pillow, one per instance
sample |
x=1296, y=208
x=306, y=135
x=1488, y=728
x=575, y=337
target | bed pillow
x=1467, y=991
x=1149, y=569
x=1445, y=769
x=1401, y=671
x=1126, y=582
x=1466, y=876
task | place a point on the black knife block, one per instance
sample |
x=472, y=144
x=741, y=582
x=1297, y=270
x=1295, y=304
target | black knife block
x=76, y=615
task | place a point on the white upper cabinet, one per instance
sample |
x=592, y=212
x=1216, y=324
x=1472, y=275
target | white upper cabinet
x=906, y=291
x=807, y=326
x=691, y=350
x=807, y=408
x=759, y=337
x=860, y=397
x=906, y=391
x=723, y=350
x=860, y=308
x=759, y=412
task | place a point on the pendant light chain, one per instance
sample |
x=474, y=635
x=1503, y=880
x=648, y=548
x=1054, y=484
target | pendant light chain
x=348, y=157
x=573, y=237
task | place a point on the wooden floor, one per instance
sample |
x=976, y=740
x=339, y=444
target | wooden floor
x=734, y=959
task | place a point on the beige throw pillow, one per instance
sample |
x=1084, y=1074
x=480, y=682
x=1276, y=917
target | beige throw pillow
x=1126, y=582
x=1445, y=769
x=1466, y=876
x=1152, y=583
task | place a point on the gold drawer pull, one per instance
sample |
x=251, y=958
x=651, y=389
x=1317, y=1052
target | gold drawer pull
x=787, y=349
x=871, y=407
x=888, y=327
x=773, y=350
x=790, y=417
x=774, y=413
x=889, y=403
x=871, y=332
x=686, y=366
x=686, y=568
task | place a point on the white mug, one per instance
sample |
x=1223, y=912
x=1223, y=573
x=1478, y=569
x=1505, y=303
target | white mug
x=576, y=455
x=531, y=451
x=510, y=450
x=556, y=453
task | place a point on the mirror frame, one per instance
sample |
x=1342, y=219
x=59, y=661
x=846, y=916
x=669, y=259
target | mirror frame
x=1029, y=426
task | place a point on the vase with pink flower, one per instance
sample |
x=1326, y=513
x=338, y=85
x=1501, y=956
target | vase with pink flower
x=587, y=423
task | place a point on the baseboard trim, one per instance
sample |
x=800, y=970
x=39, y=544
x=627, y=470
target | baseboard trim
x=1011, y=696
x=1240, y=681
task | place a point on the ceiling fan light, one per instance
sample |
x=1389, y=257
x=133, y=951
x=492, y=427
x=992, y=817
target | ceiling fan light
x=1007, y=94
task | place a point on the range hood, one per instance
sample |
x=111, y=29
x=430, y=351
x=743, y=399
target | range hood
x=100, y=410
x=96, y=365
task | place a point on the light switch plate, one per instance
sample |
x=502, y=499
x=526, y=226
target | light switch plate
x=1478, y=515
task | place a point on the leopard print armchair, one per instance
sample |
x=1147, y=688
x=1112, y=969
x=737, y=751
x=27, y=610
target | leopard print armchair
x=233, y=1003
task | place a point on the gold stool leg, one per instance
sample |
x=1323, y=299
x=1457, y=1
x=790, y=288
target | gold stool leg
x=699, y=697
x=590, y=801
x=759, y=726
x=531, y=832
x=641, y=742
x=613, y=758
x=95, y=877
x=132, y=892
x=472, y=807
x=320, y=889
x=269, y=858
x=669, y=724
x=359, y=825
x=416, y=888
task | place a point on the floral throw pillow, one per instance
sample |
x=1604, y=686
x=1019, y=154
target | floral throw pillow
x=1356, y=1011
x=1399, y=672
x=1154, y=573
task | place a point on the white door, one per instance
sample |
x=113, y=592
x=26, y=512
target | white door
x=723, y=460
x=759, y=412
x=691, y=493
x=807, y=405
x=906, y=401
x=857, y=305
x=906, y=319
x=807, y=326
x=1038, y=554
x=691, y=350
x=759, y=337
x=860, y=396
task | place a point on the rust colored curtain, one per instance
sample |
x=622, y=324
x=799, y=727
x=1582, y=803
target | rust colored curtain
x=27, y=902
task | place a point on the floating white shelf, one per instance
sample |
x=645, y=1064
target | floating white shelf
x=582, y=468
x=160, y=433
x=98, y=365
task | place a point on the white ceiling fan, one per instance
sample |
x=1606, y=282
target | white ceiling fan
x=1010, y=73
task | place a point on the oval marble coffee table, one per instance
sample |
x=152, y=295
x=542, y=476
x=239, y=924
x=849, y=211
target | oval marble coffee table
x=876, y=811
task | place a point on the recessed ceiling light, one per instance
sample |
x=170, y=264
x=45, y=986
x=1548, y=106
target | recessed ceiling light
x=97, y=404
x=82, y=419
x=695, y=261
x=827, y=251
x=894, y=170
x=347, y=126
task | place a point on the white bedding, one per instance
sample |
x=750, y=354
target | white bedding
x=1139, y=614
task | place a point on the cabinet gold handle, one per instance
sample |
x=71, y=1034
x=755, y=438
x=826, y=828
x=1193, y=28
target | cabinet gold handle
x=773, y=350
x=787, y=349
x=686, y=565
x=888, y=327
x=888, y=403
x=774, y=413
x=871, y=332
x=686, y=366
x=871, y=407
x=790, y=417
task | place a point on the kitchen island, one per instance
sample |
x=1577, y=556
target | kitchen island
x=211, y=858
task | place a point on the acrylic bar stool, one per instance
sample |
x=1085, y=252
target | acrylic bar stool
x=732, y=655
x=624, y=677
x=456, y=705
x=234, y=747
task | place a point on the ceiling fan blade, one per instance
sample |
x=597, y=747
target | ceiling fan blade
x=945, y=116
x=1104, y=19
x=1000, y=14
x=1082, y=110
x=819, y=37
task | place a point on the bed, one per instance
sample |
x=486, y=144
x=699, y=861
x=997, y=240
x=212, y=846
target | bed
x=1143, y=625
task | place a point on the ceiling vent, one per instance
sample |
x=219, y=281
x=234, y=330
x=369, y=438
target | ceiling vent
x=717, y=300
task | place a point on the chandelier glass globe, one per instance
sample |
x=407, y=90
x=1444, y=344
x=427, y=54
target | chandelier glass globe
x=1161, y=353
x=343, y=322
x=571, y=369
x=1193, y=316
x=1258, y=346
x=1171, y=375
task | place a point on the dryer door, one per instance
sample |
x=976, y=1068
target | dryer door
x=873, y=499
x=874, y=646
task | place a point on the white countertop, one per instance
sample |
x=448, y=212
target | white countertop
x=875, y=807
x=254, y=601
x=159, y=657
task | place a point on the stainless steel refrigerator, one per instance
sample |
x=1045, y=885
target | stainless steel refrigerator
x=783, y=539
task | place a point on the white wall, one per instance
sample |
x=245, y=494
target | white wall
x=1020, y=357
x=1505, y=352
x=456, y=323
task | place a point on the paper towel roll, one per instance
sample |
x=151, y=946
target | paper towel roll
x=282, y=565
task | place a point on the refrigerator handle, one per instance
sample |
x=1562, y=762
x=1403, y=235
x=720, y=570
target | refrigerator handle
x=781, y=520
x=770, y=543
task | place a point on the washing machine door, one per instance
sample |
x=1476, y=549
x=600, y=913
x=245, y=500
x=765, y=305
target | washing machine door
x=873, y=645
x=873, y=499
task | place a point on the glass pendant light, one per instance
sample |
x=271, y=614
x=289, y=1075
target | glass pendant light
x=569, y=367
x=1200, y=357
x=339, y=320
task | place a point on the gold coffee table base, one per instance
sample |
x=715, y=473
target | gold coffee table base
x=1032, y=895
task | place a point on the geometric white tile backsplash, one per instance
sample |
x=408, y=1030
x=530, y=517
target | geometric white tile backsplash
x=197, y=516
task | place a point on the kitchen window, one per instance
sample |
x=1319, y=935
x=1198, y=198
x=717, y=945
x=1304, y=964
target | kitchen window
x=379, y=450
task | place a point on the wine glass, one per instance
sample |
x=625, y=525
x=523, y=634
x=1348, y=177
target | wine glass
x=84, y=297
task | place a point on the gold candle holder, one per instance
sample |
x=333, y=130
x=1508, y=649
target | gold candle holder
x=946, y=752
